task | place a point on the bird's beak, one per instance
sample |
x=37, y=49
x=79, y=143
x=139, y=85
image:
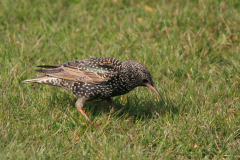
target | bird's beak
x=153, y=88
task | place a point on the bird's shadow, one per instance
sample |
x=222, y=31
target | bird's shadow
x=127, y=107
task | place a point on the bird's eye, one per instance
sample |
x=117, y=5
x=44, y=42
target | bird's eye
x=145, y=81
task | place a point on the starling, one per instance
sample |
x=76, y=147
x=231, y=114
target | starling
x=96, y=78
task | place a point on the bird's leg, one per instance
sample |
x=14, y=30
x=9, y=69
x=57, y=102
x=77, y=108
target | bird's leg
x=79, y=104
x=85, y=115
x=109, y=100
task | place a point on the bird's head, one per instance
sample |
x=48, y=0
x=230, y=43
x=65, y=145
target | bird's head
x=141, y=76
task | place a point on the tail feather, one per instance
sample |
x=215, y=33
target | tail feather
x=50, y=66
x=49, y=71
x=42, y=79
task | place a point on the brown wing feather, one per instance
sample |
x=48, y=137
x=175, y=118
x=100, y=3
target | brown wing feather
x=75, y=71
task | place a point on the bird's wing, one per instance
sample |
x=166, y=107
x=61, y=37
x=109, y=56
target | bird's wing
x=94, y=70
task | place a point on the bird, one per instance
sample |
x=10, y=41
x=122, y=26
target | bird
x=98, y=78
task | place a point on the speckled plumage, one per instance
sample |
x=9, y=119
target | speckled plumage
x=96, y=78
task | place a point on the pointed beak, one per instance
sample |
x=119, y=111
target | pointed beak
x=153, y=88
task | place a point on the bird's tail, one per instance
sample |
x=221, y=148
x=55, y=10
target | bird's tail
x=43, y=79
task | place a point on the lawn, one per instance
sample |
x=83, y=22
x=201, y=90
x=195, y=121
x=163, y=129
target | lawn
x=191, y=48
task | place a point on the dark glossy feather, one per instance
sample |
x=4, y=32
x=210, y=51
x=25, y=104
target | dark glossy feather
x=94, y=70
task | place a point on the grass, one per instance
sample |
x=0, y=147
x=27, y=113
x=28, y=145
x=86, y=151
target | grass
x=190, y=47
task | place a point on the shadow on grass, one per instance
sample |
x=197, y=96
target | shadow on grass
x=125, y=107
